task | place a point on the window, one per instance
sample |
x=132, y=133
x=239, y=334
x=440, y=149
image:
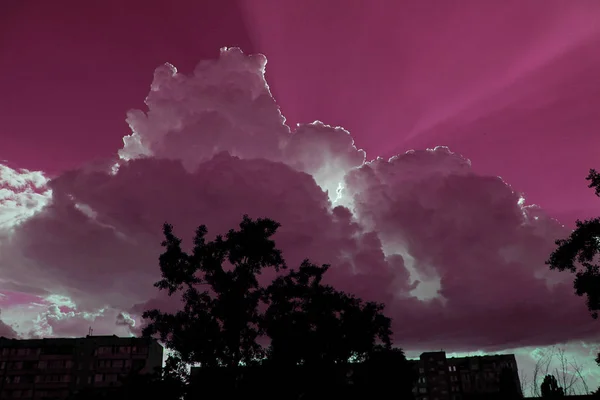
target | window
x=56, y=364
x=138, y=364
x=440, y=363
x=111, y=378
x=422, y=390
x=124, y=349
x=117, y=363
x=98, y=378
x=16, y=365
x=17, y=393
x=29, y=365
x=42, y=365
x=55, y=378
x=421, y=370
x=16, y=379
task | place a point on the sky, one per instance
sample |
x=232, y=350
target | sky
x=431, y=151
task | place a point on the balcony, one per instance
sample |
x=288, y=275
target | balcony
x=20, y=357
x=20, y=385
x=52, y=385
x=53, y=357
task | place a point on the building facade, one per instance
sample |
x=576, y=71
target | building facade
x=54, y=368
x=464, y=378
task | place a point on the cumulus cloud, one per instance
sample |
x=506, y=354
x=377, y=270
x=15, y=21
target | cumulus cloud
x=457, y=257
x=22, y=194
x=7, y=331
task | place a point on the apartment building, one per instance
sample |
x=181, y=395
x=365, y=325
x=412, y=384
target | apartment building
x=53, y=368
x=463, y=378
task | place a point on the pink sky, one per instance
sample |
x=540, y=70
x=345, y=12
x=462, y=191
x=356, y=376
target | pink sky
x=511, y=86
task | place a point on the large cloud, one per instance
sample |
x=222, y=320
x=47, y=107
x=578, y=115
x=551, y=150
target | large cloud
x=458, y=258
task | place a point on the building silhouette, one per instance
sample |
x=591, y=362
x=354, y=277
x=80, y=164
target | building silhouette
x=54, y=368
x=487, y=377
x=464, y=378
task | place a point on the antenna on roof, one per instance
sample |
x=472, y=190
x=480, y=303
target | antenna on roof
x=90, y=331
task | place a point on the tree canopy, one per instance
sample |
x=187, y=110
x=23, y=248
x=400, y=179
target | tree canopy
x=579, y=254
x=219, y=324
x=295, y=326
x=313, y=324
x=551, y=389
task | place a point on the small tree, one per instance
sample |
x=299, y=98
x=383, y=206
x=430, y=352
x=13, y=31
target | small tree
x=385, y=370
x=579, y=254
x=567, y=373
x=550, y=388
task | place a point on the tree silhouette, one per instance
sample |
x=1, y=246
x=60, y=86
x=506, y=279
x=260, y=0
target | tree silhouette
x=311, y=323
x=384, y=371
x=315, y=331
x=579, y=254
x=219, y=324
x=320, y=329
x=550, y=388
